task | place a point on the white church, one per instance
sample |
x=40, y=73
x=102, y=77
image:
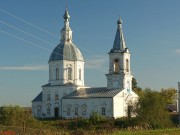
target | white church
x=65, y=95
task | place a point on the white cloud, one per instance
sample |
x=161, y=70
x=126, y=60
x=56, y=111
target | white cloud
x=96, y=62
x=177, y=51
x=28, y=68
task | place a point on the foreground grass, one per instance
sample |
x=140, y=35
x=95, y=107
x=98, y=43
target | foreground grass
x=173, y=131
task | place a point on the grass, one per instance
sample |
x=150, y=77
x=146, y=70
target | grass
x=172, y=131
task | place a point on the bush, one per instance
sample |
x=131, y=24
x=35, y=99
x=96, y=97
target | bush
x=96, y=118
x=126, y=122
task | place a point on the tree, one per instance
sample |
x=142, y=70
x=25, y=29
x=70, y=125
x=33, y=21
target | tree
x=136, y=88
x=169, y=95
x=17, y=116
x=134, y=83
x=151, y=110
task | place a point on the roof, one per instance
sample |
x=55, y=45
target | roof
x=66, y=84
x=38, y=98
x=119, y=42
x=66, y=51
x=101, y=92
x=172, y=108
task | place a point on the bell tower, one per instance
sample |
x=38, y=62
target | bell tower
x=119, y=76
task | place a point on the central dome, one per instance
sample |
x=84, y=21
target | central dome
x=66, y=51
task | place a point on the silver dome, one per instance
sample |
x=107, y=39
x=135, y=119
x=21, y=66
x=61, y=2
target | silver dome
x=66, y=51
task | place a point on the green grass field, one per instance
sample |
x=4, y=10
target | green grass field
x=175, y=131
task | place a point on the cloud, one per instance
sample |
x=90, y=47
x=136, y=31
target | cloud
x=27, y=68
x=96, y=62
x=177, y=51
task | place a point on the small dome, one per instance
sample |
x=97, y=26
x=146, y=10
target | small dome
x=66, y=51
x=119, y=21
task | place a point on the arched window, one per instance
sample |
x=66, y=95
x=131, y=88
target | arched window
x=48, y=109
x=69, y=73
x=57, y=73
x=56, y=98
x=48, y=97
x=76, y=111
x=79, y=74
x=127, y=65
x=68, y=111
x=116, y=65
x=84, y=107
x=103, y=111
x=38, y=110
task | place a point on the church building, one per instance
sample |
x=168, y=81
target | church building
x=65, y=96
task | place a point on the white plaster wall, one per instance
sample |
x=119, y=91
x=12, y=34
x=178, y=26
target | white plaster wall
x=118, y=106
x=53, y=90
x=121, y=102
x=93, y=105
x=63, y=76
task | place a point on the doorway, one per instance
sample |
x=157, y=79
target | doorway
x=56, y=112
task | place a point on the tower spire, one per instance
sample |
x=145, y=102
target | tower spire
x=66, y=32
x=119, y=42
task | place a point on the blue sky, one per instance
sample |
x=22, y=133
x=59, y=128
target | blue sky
x=151, y=29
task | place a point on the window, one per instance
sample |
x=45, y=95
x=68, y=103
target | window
x=69, y=73
x=48, y=109
x=76, y=111
x=103, y=111
x=57, y=73
x=79, y=74
x=84, y=110
x=68, y=111
x=38, y=110
x=116, y=65
x=127, y=65
x=56, y=98
x=128, y=87
x=48, y=97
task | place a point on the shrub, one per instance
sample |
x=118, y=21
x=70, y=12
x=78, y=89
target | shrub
x=96, y=118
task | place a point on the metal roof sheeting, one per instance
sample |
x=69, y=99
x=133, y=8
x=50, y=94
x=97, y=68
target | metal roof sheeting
x=38, y=98
x=66, y=51
x=101, y=92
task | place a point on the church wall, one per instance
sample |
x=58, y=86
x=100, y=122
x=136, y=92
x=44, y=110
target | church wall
x=92, y=105
x=79, y=65
x=119, y=105
x=63, y=66
x=121, y=102
x=37, y=109
x=52, y=72
x=54, y=101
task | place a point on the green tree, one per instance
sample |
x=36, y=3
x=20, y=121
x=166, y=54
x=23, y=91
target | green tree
x=134, y=83
x=17, y=116
x=136, y=88
x=169, y=95
x=151, y=110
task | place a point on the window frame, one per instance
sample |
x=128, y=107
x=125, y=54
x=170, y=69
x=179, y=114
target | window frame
x=69, y=73
x=116, y=65
x=76, y=111
x=80, y=74
x=103, y=111
x=57, y=73
x=68, y=111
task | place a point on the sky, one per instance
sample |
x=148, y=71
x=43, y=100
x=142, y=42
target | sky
x=29, y=30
